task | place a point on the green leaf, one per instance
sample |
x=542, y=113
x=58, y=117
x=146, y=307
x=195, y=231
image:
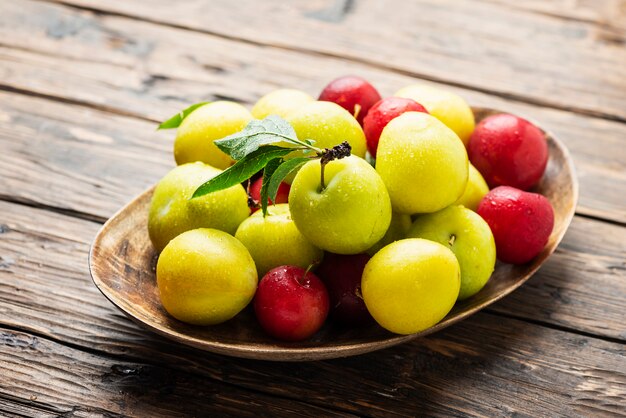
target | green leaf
x=242, y=169
x=269, y=169
x=266, y=131
x=281, y=172
x=177, y=119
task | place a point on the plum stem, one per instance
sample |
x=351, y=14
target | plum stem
x=322, y=165
x=357, y=110
x=308, y=269
x=251, y=202
x=329, y=154
x=452, y=239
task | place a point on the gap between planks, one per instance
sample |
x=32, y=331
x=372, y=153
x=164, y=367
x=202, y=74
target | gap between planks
x=54, y=98
x=62, y=211
x=555, y=327
x=393, y=69
x=600, y=219
x=569, y=18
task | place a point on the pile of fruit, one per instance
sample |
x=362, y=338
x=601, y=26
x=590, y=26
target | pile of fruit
x=351, y=207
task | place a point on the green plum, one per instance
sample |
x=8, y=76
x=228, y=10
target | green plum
x=410, y=285
x=475, y=190
x=398, y=228
x=422, y=163
x=195, y=135
x=280, y=102
x=328, y=124
x=275, y=241
x=470, y=239
x=347, y=216
x=172, y=212
x=446, y=106
x=205, y=277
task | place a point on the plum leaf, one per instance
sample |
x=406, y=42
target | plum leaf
x=282, y=171
x=268, y=171
x=266, y=131
x=242, y=169
x=177, y=119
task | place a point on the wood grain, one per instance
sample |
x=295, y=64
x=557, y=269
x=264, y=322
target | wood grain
x=43, y=378
x=577, y=67
x=154, y=71
x=55, y=153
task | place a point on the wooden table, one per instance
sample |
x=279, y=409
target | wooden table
x=82, y=85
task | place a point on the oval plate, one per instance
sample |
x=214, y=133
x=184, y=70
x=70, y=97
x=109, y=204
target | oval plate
x=122, y=264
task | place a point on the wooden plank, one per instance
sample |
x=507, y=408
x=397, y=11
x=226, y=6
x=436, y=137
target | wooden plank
x=486, y=365
x=568, y=64
x=43, y=378
x=185, y=67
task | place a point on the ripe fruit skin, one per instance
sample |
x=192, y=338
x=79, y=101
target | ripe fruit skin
x=475, y=190
x=509, y=151
x=342, y=276
x=521, y=222
x=398, y=228
x=291, y=304
x=469, y=238
x=329, y=125
x=275, y=241
x=446, y=106
x=350, y=215
x=410, y=285
x=381, y=113
x=255, y=192
x=205, y=277
x=422, y=162
x=195, y=135
x=172, y=212
x=280, y=102
x=353, y=94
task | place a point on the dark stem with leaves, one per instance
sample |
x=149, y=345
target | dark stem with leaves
x=260, y=146
x=335, y=153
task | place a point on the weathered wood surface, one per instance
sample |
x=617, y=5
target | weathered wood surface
x=82, y=93
x=45, y=378
x=471, y=368
x=154, y=71
x=483, y=45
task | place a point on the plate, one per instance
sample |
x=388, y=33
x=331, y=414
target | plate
x=122, y=264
